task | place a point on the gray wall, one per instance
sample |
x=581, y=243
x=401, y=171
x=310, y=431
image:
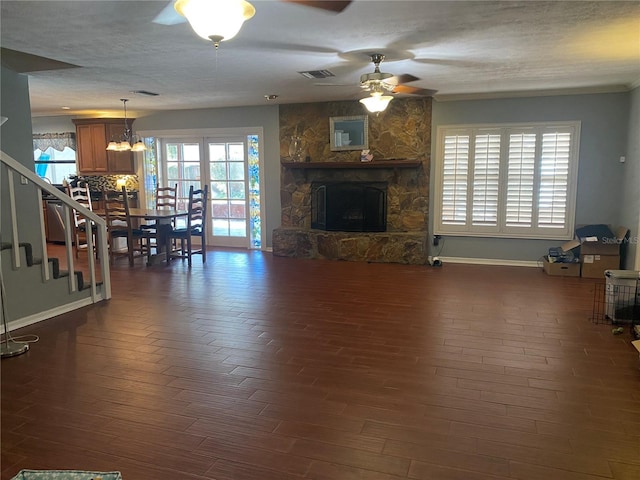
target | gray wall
x=630, y=202
x=603, y=139
x=16, y=140
x=59, y=124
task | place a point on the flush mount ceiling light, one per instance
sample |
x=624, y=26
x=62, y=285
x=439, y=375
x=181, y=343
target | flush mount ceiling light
x=127, y=140
x=215, y=21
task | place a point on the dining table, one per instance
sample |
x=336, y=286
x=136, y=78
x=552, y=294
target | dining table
x=162, y=218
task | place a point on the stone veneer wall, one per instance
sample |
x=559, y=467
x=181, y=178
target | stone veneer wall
x=403, y=131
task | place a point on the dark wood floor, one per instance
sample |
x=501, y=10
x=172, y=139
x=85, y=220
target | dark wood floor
x=262, y=368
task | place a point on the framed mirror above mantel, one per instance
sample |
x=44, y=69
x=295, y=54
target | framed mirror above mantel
x=349, y=133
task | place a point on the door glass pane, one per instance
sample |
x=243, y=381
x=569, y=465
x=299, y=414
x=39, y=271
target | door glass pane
x=228, y=189
x=220, y=227
x=218, y=170
x=237, y=209
x=236, y=190
x=237, y=228
x=220, y=209
x=217, y=152
x=236, y=171
x=219, y=190
x=236, y=152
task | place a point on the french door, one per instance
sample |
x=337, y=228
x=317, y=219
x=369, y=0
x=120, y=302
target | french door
x=229, y=165
x=228, y=191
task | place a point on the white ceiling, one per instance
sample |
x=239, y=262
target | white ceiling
x=455, y=47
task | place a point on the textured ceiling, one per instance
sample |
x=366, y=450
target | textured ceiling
x=455, y=47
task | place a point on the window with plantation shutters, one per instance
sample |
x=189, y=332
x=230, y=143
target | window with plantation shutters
x=454, y=179
x=512, y=180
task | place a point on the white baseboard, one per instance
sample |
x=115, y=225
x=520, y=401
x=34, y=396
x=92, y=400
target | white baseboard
x=491, y=261
x=41, y=316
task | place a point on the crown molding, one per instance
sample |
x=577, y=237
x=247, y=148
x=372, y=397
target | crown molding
x=534, y=93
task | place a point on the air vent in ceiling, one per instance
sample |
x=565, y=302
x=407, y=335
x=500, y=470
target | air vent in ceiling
x=317, y=74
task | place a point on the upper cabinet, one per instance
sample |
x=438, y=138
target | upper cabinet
x=92, y=137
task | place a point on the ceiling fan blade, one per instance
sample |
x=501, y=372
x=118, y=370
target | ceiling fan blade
x=169, y=16
x=414, y=90
x=329, y=5
x=401, y=79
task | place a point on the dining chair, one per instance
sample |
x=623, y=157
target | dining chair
x=196, y=227
x=166, y=197
x=120, y=226
x=82, y=195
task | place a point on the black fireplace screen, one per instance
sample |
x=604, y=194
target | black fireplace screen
x=349, y=206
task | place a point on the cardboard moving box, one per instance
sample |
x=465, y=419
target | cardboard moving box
x=562, y=263
x=560, y=269
x=600, y=249
x=594, y=266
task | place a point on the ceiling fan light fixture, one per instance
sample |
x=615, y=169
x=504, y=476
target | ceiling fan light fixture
x=215, y=21
x=377, y=102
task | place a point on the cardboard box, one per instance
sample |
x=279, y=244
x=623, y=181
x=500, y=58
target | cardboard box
x=600, y=239
x=600, y=248
x=594, y=266
x=559, y=269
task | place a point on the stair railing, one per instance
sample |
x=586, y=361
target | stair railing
x=15, y=167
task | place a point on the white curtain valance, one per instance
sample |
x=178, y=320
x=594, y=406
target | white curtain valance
x=57, y=141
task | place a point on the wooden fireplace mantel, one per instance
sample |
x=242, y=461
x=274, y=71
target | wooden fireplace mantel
x=390, y=163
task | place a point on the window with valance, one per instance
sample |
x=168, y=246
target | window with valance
x=55, y=155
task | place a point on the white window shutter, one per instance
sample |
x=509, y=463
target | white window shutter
x=515, y=180
x=554, y=179
x=486, y=180
x=520, y=180
x=455, y=176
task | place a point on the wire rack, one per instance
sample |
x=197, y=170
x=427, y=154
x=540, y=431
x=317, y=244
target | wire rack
x=616, y=304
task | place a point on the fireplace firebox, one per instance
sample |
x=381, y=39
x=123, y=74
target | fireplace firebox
x=349, y=206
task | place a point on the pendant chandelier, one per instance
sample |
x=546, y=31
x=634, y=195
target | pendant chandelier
x=215, y=21
x=126, y=142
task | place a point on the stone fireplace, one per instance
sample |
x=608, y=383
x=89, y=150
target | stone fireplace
x=400, y=141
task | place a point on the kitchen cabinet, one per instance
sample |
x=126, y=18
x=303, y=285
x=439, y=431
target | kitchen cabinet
x=92, y=137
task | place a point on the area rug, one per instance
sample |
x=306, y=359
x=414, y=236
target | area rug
x=66, y=475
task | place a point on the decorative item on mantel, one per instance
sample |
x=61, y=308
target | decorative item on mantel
x=295, y=149
x=365, y=156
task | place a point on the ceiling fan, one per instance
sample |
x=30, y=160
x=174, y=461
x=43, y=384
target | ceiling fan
x=380, y=81
x=169, y=16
